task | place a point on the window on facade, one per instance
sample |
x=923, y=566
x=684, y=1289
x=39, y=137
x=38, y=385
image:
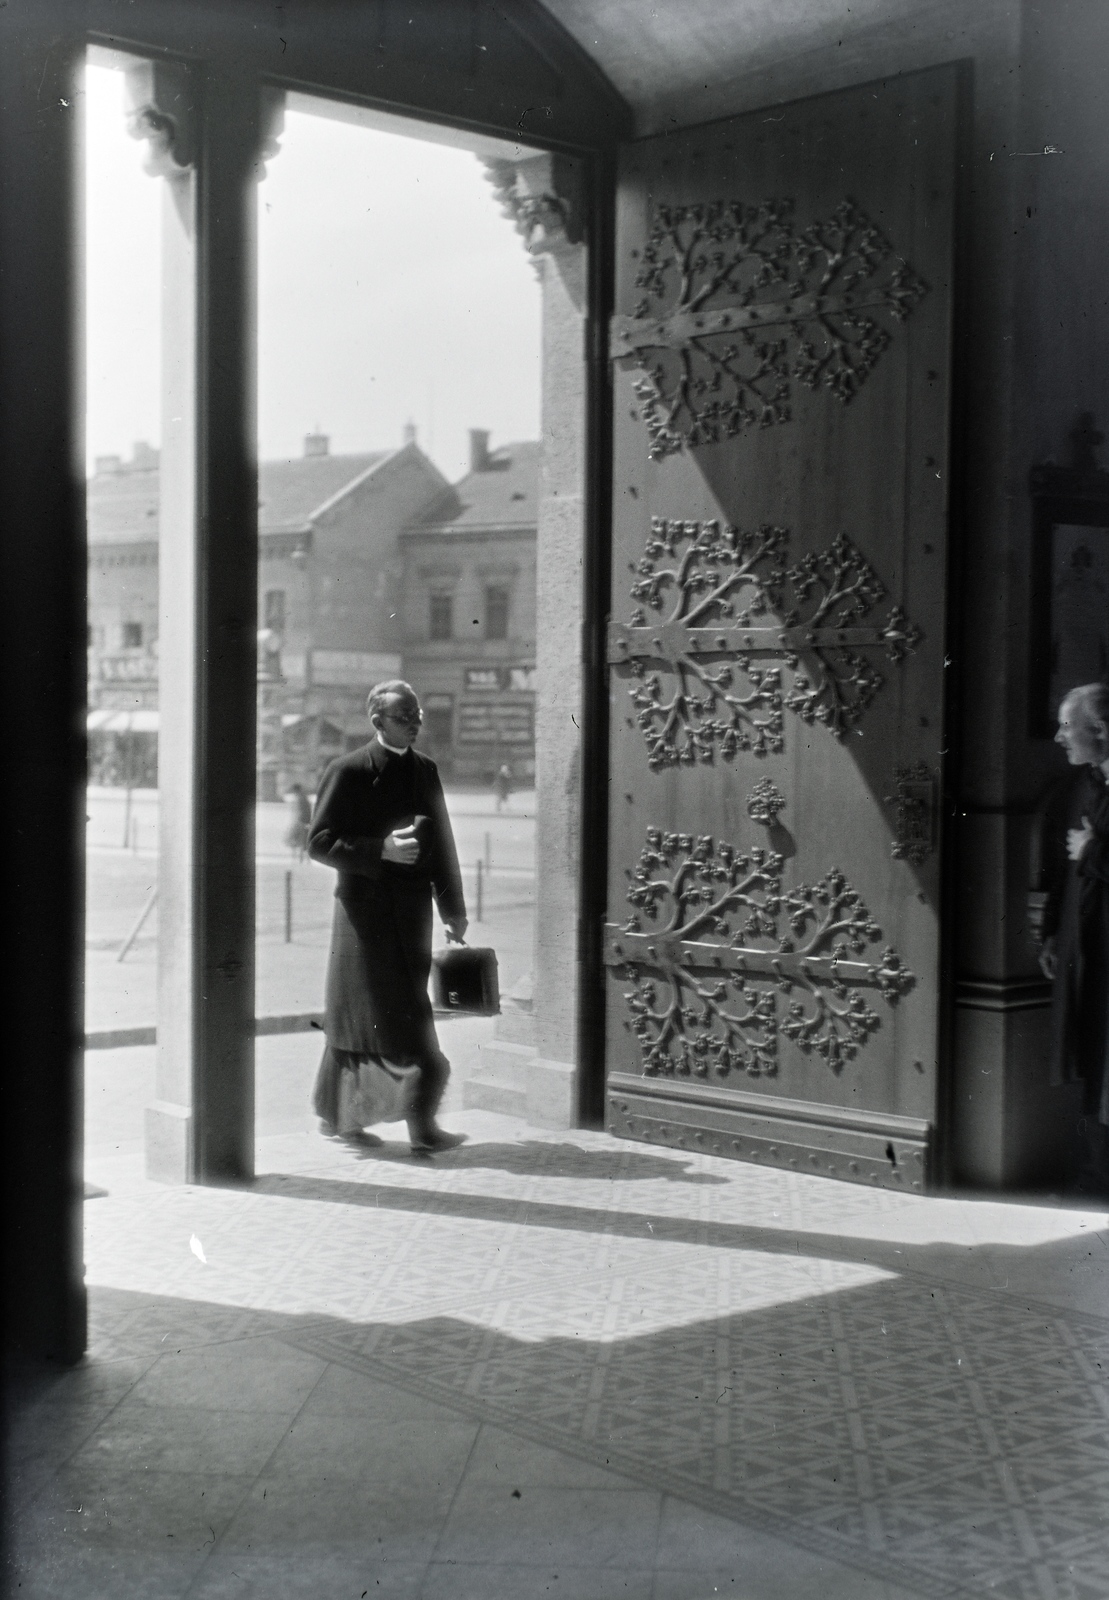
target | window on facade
x=496, y=613
x=132, y=635
x=274, y=610
x=441, y=617
x=438, y=727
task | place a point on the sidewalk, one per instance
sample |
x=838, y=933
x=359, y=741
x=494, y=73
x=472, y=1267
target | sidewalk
x=289, y=975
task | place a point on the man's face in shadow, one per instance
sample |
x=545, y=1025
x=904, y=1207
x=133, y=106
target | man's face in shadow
x=1082, y=739
x=399, y=723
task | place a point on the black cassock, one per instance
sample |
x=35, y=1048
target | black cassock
x=1076, y=913
x=377, y=1002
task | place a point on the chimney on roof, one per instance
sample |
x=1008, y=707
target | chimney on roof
x=409, y=433
x=108, y=464
x=144, y=457
x=316, y=444
x=479, y=449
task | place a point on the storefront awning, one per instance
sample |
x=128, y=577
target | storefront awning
x=105, y=720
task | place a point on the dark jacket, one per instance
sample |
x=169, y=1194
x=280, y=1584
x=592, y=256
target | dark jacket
x=1076, y=915
x=361, y=801
x=380, y=958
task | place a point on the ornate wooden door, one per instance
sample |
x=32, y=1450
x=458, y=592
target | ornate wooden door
x=782, y=351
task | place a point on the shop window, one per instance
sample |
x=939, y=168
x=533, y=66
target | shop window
x=496, y=613
x=274, y=610
x=442, y=617
x=132, y=636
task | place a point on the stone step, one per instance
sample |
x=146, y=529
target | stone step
x=500, y=1080
x=515, y=1023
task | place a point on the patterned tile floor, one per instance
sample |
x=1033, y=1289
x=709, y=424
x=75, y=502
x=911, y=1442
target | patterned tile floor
x=562, y=1364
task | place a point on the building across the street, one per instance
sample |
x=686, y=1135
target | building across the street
x=469, y=614
x=370, y=566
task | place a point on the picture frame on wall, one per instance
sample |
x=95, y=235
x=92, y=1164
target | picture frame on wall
x=1070, y=577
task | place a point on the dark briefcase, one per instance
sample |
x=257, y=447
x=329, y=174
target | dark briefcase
x=464, y=978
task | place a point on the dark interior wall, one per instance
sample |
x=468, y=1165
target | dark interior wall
x=1010, y=1125
x=505, y=68
x=1062, y=232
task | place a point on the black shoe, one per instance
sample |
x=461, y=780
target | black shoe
x=433, y=1140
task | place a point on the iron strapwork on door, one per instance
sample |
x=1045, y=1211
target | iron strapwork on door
x=806, y=305
x=730, y=615
x=713, y=939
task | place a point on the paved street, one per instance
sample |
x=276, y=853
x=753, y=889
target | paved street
x=289, y=975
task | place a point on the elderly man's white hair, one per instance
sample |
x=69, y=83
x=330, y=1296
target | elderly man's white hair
x=1091, y=701
x=391, y=689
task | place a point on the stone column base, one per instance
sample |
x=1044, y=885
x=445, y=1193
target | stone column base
x=1011, y=1128
x=514, y=1080
x=169, y=1143
x=552, y=1090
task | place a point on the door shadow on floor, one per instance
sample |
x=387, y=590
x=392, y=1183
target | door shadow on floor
x=937, y=1259
x=537, y=1158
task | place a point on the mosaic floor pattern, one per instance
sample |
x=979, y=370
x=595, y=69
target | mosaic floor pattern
x=862, y=1373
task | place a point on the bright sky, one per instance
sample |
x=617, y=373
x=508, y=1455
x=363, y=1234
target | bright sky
x=391, y=289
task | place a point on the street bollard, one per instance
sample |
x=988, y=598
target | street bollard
x=151, y=902
x=288, y=906
x=479, y=888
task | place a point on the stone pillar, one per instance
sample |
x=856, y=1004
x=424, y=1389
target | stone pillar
x=43, y=566
x=543, y=196
x=207, y=130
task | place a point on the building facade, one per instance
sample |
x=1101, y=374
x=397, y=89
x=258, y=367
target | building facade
x=469, y=615
x=329, y=578
x=370, y=566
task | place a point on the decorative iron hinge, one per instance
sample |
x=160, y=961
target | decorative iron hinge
x=803, y=305
x=704, y=1006
x=709, y=670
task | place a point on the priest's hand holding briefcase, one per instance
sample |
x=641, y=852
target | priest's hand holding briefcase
x=464, y=978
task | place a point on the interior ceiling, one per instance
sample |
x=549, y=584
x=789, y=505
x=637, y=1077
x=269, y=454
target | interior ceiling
x=654, y=53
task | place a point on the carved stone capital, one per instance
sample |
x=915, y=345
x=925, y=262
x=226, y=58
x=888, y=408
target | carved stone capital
x=543, y=196
x=271, y=125
x=162, y=110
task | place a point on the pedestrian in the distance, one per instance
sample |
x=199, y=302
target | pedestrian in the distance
x=299, y=815
x=502, y=784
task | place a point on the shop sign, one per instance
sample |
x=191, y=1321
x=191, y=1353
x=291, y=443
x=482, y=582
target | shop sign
x=495, y=722
x=517, y=680
x=483, y=678
x=129, y=669
x=353, y=669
